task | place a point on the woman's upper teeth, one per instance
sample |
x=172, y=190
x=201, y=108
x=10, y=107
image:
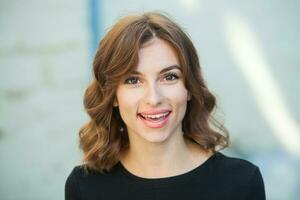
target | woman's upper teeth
x=156, y=116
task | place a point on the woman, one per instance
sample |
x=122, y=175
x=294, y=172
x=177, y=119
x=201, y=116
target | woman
x=151, y=133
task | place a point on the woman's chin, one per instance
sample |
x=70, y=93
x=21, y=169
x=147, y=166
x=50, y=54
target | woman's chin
x=156, y=137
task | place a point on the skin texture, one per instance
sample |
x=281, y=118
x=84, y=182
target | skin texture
x=152, y=90
x=156, y=152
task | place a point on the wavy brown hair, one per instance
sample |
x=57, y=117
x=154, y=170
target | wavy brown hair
x=101, y=139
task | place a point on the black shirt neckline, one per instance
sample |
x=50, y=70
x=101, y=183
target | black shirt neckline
x=167, y=180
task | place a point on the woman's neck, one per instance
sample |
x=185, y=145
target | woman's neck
x=158, y=160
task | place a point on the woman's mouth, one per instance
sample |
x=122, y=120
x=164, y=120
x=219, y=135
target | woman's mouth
x=155, y=120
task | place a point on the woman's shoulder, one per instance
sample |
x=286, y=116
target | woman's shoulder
x=81, y=171
x=78, y=174
x=84, y=172
x=83, y=181
x=233, y=163
x=237, y=170
x=72, y=189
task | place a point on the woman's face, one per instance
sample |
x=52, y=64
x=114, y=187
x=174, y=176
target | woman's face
x=152, y=100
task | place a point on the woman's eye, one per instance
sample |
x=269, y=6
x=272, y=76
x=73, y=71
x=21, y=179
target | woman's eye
x=171, y=77
x=132, y=80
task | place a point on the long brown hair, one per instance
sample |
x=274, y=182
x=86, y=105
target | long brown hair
x=101, y=139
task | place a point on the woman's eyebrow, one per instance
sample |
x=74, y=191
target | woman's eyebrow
x=170, y=68
x=161, y=72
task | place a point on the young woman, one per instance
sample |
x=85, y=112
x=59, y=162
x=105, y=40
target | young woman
x=151, y=133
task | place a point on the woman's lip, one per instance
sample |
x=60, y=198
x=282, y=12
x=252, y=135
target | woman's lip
x=155, y=112
x=155, y=124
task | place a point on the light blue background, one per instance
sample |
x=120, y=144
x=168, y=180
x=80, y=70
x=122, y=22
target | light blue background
x=249, y=51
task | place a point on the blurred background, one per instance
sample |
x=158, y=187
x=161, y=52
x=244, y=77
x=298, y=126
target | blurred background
x=249, y=51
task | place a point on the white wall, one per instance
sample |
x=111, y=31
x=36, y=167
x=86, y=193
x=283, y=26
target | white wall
x=249, y=51
x=43, y=72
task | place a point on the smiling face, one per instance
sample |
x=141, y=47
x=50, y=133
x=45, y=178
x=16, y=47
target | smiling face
x=152, y=100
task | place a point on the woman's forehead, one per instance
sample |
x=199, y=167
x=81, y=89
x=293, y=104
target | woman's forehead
x=156, y=55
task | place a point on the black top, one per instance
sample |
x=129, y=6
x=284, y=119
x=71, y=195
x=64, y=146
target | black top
x=219, y=177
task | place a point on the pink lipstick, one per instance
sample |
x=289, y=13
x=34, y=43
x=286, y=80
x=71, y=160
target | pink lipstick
x=155, y=118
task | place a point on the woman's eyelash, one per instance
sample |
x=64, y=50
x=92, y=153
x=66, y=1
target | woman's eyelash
x=131, y=80
x=173, y=76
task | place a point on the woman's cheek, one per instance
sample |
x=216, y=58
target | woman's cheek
x=129, y=98
x=178, y=93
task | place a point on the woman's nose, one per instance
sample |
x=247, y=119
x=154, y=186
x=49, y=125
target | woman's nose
x=153, y=95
